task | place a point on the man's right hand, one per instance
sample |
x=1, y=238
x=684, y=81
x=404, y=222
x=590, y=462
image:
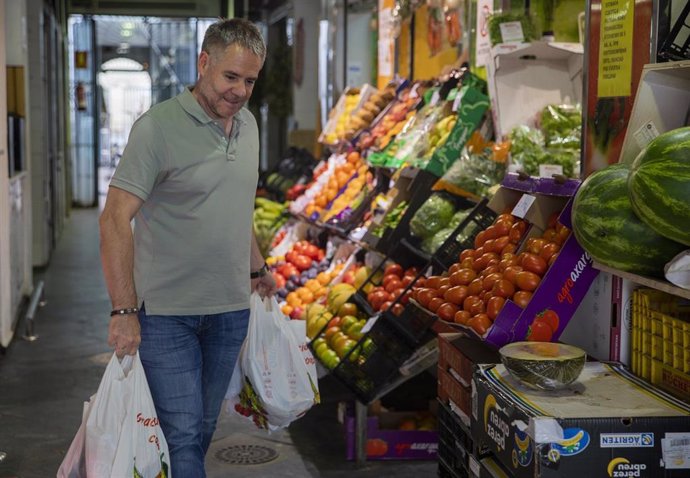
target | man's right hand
x=124, y=334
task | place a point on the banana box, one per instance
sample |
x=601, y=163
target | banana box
x=607, y=424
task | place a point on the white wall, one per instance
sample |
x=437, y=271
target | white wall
x=5, y=312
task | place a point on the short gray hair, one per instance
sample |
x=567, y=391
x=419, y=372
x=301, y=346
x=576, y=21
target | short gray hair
x=244, y=33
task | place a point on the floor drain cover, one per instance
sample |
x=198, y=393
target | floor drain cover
x=246, y=454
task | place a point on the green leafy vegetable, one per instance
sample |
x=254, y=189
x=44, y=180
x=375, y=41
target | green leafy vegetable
x=432, y=216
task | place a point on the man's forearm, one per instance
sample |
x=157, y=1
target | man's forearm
x=117, y=259
x=256, y=261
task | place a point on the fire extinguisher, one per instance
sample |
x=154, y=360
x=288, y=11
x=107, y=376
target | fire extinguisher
x=81, y=96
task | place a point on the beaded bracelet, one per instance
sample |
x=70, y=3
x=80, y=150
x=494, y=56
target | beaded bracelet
x=128, y=311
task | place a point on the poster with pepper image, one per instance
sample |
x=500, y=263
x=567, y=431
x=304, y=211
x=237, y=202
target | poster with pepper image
x=618, y=48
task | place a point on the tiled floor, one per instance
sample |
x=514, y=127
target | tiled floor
x=43, y=385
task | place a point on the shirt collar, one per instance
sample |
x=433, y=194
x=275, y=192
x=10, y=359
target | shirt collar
x=190, y=104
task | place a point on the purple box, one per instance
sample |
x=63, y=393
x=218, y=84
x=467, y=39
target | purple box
x=386, y=442
x=567, y=280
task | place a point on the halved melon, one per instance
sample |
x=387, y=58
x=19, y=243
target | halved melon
x=543, y=365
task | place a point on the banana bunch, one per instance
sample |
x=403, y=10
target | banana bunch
x=269, y=216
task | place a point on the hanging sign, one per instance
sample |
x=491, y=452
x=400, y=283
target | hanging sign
x=616, y=48
x=484, y=10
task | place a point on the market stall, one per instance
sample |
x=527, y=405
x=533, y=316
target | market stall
x=447, y=229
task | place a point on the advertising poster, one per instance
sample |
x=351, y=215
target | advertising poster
x=619, y=32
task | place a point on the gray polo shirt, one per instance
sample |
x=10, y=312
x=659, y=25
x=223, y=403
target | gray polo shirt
x=192, y=236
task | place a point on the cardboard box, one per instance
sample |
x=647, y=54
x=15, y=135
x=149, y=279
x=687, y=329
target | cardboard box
x=593, y=325
x=662, y=103
x=386, y=442
x=567, y=280
x=538, y=73
x=607, y=423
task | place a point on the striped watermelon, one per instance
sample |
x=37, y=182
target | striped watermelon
x=607, y=228
x=659, y=185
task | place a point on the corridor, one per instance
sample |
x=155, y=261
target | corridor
x=43, y=385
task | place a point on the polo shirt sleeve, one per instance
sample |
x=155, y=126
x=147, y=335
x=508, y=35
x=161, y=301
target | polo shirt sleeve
x=143, y=161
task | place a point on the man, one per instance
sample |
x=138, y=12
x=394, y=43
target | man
x=180, y=283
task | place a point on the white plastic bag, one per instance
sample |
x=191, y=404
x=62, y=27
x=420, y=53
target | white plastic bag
x=74, y=463
x=271, y=383
x=122, y=433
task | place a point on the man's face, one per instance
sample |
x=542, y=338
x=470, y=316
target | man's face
x=226, y=80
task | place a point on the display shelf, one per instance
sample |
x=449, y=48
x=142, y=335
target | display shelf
x=657, y=284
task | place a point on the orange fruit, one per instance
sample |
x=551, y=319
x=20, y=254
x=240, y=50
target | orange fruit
x=286, y=309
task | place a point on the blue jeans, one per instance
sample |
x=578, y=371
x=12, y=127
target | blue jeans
x=188, y=362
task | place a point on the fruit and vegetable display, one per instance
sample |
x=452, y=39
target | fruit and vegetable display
x=556, y=142
x=474, y=290
x=288, y=178
x=391, y=287
x=269, y=217
x=543, y=366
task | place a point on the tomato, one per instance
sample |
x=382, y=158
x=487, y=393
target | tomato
x=503, y=288
x=517, y=231
x=397, y=292
x=468, y=262
x=393, y=285
x=549, y=317
x=442, y=290
x=454, y=268
x=461, y=317
x=500, y=243
x=385, y=306
x=507, y=262
x=506, y=217
x=549, y=234
x=480, y=239
x=480, y=323
x=411, y=271
x=434, y=304
x=463, y=277
x=444, y=281
x=522, y=298
x=536, y=246
x=491, y=279
x=395, y=269
x=456, y=295
x=377, y=299
x=478, y=252
x=447, y=311
x=425, y=295
x=470, y=302
x=549, y=250
x=388, y=278
x=405, y=298
x=491, y=232
x=510, y=274
x=508, y=249
x=434, y=282
x=466, y=254
x=494, y=306
x=475, y=287
x=407, y=280
x=528, y=281
x=488, y=271
x=397, y=309
x=480, y=263
x=534, y=263
x=539, y=332
x=552, y=259
x=563, y=234
x=502, y=228
x=478, y=307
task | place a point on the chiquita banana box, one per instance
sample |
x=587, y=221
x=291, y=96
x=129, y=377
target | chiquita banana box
x=607, y=424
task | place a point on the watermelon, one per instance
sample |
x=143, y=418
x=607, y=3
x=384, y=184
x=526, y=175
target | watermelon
x=659, y=185
x=607, y=228
x=543, y=365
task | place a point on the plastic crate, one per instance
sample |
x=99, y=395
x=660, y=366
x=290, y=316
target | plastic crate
x=463, y=237
x=374, y=362
x=446, y=470
x=414, y=322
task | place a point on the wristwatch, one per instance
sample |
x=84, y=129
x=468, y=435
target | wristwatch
x=260, y=273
